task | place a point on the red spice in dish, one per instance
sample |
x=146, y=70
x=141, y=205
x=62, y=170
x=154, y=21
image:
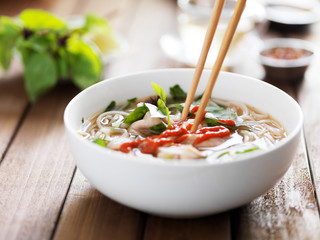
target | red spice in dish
x=176, y=135
x=286, y=53
x=211, y=132
x=195, y=109
x=227, y=121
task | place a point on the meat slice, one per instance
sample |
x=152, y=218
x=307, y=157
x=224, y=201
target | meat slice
x=142, y=127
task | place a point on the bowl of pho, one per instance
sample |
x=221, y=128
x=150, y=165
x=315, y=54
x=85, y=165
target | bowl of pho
x=127, y=138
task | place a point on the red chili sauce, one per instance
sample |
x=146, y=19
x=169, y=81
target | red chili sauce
x=176, y=134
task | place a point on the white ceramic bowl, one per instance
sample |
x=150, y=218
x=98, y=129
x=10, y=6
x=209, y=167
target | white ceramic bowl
x=178, y=188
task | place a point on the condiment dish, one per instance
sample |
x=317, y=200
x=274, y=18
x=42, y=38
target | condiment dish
x=286, y=59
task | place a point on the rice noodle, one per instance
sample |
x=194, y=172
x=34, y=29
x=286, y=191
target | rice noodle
x=264, y=130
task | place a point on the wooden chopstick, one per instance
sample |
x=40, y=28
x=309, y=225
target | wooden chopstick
x=212, y=26
x=239, y=7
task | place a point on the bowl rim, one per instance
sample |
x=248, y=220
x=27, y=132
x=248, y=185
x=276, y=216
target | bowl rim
x=287, y=42
x=272, y=17
x=181, y=162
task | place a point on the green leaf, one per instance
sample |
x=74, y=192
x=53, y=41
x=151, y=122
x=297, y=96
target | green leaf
x=224, y=153
x=248, y=150
x=198, y=98
x=221, y=113
x=175, y=108
x=98, y=31
x=132, y=100
x=9, y=34
x=136, y=115
x=211, y=122
x=39, y=20
x=177, y=93
x=40, y=74
x=100, y=142
x=160, y=92
x=85, y=64
x=62, y=61
x=163, y=108
x=111, y=106
x=158, y=128
x=40, y=42
x=129, y=103
x=95, y=21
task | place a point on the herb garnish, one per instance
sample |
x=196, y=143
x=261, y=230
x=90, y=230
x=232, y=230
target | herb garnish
x=238, y=152
x=52, y=50
x=136, y=115
x=162, y=101
x=100, y=142
x=247, y=150
x=177, y=93
x=158, y=128
x=129, y=103
x=111, y=106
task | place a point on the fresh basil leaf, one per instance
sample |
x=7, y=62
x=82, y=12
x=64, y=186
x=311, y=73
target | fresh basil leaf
x=248, y=150
x=221, y=113
x=111, y=106
x=85, y=64
x=177, y=93
x=100, y=142
x=136, y=115
x=62, y=61
x=163, y=108
x=37, y=19
x=41, y=42
x=212, y=122
x=95, y=21
x=160, y=92
x=198, y=98
x=175, y=108
x=9, y=33
x=158, y=128
x=40, y=74
x=129, y=103
x=132, y=100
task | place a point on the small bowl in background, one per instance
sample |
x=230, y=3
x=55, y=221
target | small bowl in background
x=286, y=60
x=292, y=17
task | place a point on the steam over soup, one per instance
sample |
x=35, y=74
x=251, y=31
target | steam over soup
x=152, y=126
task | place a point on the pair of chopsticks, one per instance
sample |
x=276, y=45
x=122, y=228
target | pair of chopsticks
x=213, y=22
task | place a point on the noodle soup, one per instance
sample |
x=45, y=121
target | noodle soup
x=152, y=126
x=177, y=187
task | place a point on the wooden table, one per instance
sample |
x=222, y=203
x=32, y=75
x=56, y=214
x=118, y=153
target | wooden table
x=44, y=196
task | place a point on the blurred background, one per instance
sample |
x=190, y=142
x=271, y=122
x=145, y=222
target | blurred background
x=149, y=34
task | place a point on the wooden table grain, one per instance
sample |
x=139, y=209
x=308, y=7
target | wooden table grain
x=44, y=196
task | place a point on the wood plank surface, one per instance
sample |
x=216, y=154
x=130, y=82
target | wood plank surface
x=43, y=196
x=309, y=99
x=287, y=211
x=213, y=227
x=13, y=104
x=88, y=214
x=36, y=171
